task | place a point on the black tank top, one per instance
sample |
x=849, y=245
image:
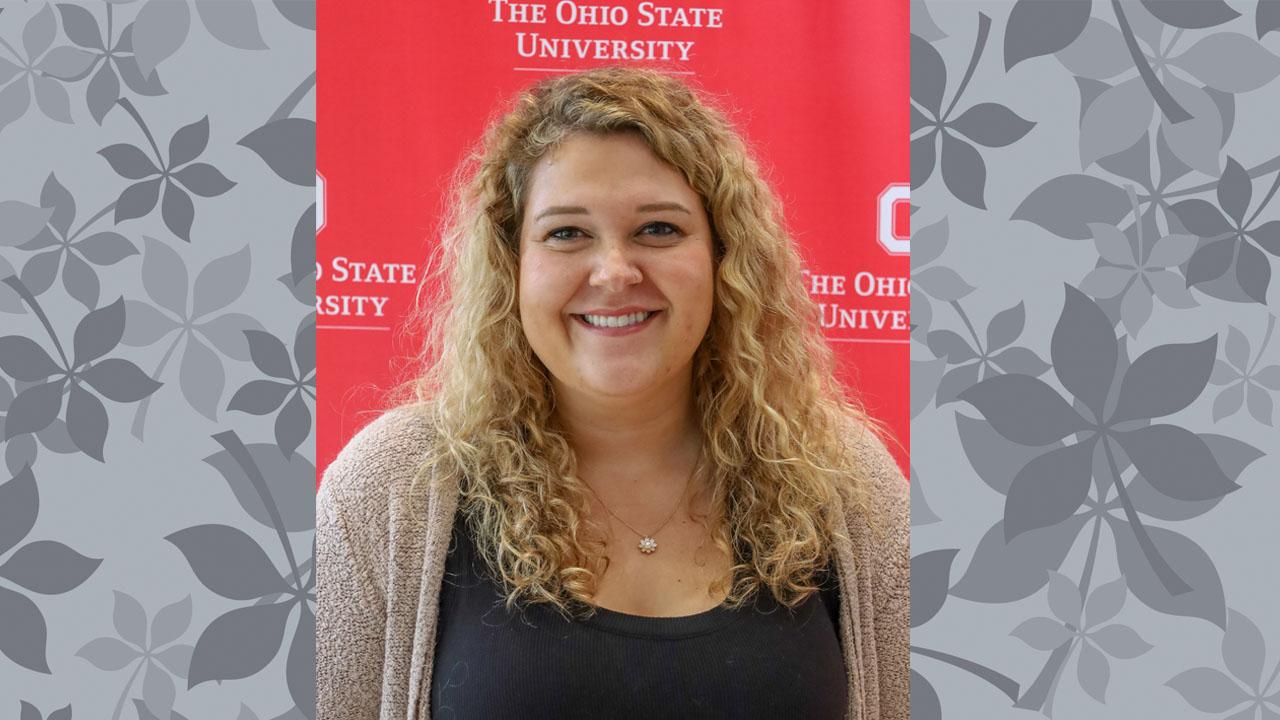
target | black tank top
x=760, y=661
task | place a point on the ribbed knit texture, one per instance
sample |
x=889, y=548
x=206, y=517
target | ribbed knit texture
x=758, y=662
x=380, y=558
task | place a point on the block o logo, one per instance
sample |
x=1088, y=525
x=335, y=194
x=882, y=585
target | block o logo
x=319, y=202
x=892, y=233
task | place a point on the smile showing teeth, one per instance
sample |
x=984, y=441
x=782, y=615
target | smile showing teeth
x=616, y=321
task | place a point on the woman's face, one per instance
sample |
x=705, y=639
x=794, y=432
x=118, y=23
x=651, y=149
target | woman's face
x=616, y=271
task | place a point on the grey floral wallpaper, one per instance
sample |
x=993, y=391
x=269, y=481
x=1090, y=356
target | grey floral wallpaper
x=1094, y=367
x=157, y=359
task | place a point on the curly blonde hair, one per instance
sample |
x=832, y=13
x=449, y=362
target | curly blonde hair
x=777, y=427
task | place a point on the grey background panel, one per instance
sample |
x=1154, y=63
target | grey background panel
x=157, y=359
x=1094, y=363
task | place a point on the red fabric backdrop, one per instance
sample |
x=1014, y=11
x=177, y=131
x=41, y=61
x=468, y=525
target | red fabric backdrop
x=820, y=90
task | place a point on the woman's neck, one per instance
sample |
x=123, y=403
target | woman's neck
x=622, y=444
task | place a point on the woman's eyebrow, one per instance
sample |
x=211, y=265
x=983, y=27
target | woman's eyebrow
x=655, y=207
x=562, y=210
x=578, y=210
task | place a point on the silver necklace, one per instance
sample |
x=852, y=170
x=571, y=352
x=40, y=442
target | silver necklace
x=648, y=544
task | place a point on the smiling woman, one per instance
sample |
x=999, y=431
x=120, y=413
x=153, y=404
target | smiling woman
x=628, y=484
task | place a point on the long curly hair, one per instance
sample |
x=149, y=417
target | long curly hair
x=777, y=427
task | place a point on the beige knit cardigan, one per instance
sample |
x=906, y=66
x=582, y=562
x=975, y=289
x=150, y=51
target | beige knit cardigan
x=380, y=556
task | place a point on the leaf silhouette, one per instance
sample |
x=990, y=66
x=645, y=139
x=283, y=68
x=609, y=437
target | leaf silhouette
x=24, y=633
x=289, y=480
x=1065, y=205
x=164, y=277
x=1191, y=14
x=129, y=161
x=1204, y=600
x=1002, y=572
x=963, y=171
x=48, y=567
x=302, y=14
x=239, y=643
x=171, y=622
x=159, y=30
x=1207, y=689
x=293, y=424
x=1115, y=121
x=221, y=282
x=87, y=422
x=103, y=91
x=1165, y=379
x=925, y=704
x=228, y=562
x=269, y=354
x=300, y=668
x=80, y=26
x=1042, y=633
x=992, y=125
x=1042, y=28
x=202, y=378
x=1120, y=641
x=234, y=22
x=1094, y=672
x=188, y=142
x=21, y=221
x=1084, y=350
x=1049, y=489
x=260, y=397
x=930, y=578
x=928, y=76
x=1243, y=649
x=288, y=146
x=1023, y=409
x=119, y=380
x=98, y=333
x=34, y=408
x=177, y=210
x=108, y=653
x=204, y=180
x=23, y=359
x=137, y=200
x=19, y=506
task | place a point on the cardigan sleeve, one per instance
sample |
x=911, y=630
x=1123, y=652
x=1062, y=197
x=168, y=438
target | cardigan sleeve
x=889, y=550
x=351, y=529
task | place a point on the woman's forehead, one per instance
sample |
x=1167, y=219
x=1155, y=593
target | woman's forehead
x=593, y=169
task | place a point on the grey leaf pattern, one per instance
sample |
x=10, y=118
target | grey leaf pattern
x=79, y=78
x=239, y=643
x=234, y=22
x=228, y=562
x=1149, y=156
x=288, y=146
x=1041, y=28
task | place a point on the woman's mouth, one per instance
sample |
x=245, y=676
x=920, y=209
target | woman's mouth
x=616, y=324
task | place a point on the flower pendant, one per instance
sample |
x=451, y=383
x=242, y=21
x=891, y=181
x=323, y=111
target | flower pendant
x=648, y=545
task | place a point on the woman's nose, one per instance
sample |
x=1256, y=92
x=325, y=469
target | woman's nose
x=615, y=268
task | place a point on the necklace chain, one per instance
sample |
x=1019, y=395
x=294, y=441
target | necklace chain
x=648, y=544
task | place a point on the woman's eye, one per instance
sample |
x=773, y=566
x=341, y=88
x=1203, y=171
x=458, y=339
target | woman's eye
x=660, y=229
x=564, y=233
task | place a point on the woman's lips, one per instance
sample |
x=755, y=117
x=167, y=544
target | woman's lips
x=607, y=331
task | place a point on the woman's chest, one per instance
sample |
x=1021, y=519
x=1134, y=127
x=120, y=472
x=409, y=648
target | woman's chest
x=761, y=661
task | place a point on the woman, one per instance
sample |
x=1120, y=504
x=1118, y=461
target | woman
x=629, y=485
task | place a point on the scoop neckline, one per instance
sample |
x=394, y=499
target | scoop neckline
x=673, y=627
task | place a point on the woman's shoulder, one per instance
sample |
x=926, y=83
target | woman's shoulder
x=379, y=463
x=879, y=520
x=887, y=492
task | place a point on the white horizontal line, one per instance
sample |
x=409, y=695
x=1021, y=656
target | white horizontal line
x=870, y=340
x=573, y=70
x=353, y=327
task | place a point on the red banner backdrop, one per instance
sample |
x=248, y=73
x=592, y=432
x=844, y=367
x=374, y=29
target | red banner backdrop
x=820, y=90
